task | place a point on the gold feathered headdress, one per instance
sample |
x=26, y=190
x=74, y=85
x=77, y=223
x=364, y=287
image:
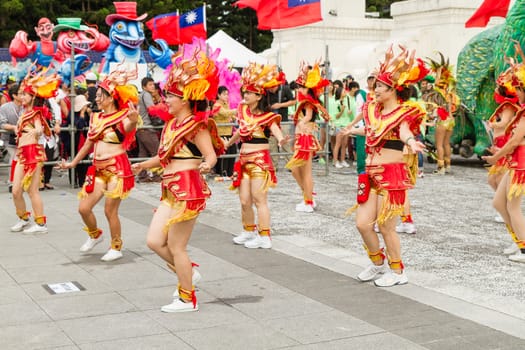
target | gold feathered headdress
x=402, y=70
x=194, y=77
x=514, y=76
x=41, y=83
x=257, y=77
x=116, y=85
x=443, y=71
x=310, y=77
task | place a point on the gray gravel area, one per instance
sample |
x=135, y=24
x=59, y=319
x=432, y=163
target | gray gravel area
x=458, y=243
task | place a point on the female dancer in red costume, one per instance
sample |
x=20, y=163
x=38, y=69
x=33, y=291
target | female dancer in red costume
x=310, y=86
x=391, y=123
x=110, y=134
x=446, y=101
x=254, y=173
x=507, y=100
x=30, y=154
x=508, y=196
x=188, y=148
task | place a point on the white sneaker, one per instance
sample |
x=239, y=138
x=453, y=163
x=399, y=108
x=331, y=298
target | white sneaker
x=511, y=249
x=420, y=174
x=391, y=278
x=338, y=165
x=195, y=278
x=36, y=229
x=304, y=208
x=91, y=243
x=499, y=219
x=406, y=227
x=518, y=257
x=314, y=205
x=373, y=271
x=244, y=237
x=20, y=225
x=112, y=255
x=345, y=164
x=264, y=242
x=179, y=306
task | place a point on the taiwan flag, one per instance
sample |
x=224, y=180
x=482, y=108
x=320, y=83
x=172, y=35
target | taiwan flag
x=178, y=29
x=192, y=24
x=281, y=14
x=165, y=27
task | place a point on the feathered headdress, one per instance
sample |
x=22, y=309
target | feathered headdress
x=514, y=76
x=116, y=85
x=400, y=71
x=193, y=75
x=508, y=80
x=41, y=83
x=310, y=77
x=257, y=77
x=443, y=71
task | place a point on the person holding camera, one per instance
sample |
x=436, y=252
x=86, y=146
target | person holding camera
x=147, y=137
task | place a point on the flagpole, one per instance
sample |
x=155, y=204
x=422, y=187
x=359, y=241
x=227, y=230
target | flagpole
x=328, y=75
x=205, y=28
x=279, y=63
x=178, y=28
x=204, y=18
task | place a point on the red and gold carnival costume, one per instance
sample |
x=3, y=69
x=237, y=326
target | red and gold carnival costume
x=389, y=180
x=306, y=144
x=109, y=128
x=33, y=155
x=193, y=78
x=445, y=101
x=501, y=165
x=186, y=191
x=516, y=161
x=258, y=164
x=382, y=131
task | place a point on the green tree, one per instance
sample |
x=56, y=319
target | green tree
x=24, y=14
x=381, y=6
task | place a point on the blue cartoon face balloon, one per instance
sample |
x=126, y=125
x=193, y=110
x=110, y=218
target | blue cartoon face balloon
x=126, y=35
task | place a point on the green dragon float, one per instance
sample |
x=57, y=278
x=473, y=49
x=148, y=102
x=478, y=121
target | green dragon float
x=479, y=64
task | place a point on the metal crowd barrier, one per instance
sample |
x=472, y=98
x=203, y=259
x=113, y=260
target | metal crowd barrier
x=72, y=130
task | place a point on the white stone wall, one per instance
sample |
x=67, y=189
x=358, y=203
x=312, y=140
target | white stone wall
x=435, y=25
x=356, y=44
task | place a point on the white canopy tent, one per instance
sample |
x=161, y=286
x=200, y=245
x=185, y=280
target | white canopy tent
x=232, y=50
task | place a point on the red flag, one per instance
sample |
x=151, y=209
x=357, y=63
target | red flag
x=488, y=9
x=165, y=27
x=192, y=24
x=280, y=14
